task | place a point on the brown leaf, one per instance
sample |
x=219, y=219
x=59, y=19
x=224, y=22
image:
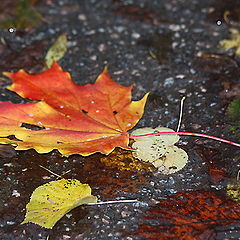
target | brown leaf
x=213, y=159
x=137, y=13
x=108, y=179
x=220, y=7
x=159, y=45
x=219, y=68
x=192, y=215
x=29, y=57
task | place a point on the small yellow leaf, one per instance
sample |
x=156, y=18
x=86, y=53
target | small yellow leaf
x=234, y=42
x=159, y=150
x=51, y=201
x=57, y=50
x=233, y=190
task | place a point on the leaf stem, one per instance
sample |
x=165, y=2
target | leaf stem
x=111, y=202
x=188, y=134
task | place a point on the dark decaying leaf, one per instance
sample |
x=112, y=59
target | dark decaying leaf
x=219, y=9
x=156, y=99
x=233, y=92
x=219, y=68
x=189, y=215
x=217, y=64
x=212, y=158
x=29, y=57
x=108, y=179
x=159, y=45
x=137, y=13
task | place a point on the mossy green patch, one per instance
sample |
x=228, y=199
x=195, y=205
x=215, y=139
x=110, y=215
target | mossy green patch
x=234, y=113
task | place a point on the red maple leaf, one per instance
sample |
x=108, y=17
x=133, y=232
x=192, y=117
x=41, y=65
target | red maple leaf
x=68, y=117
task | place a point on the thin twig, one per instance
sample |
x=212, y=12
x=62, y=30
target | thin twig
x=50, y=171
x=58, y=176
x=111, y=202
x=180, y=114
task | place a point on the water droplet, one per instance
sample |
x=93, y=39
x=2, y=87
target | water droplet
x=12, y=30
x=15, y=193
x=10, y=223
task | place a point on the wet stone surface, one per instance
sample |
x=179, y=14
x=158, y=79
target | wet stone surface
x=156, y=45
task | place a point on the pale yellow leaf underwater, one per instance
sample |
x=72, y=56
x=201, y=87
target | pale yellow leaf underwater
x=159, y=150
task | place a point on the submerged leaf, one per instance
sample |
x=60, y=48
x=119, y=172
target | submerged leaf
x=124, y=161
x=57, y=50
x=28, y=57
x=53, y=200
x=159, y=150
x=189, y=215
x=212, y=158
x=234, y=42
x=72, y=118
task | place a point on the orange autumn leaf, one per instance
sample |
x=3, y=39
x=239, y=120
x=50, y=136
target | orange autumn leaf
x=68, y=117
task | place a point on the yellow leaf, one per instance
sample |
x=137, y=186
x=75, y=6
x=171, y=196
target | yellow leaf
x=233, y=190
x=234, y=42
x=57, y=50
x=160, y=150
x=51, y=201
